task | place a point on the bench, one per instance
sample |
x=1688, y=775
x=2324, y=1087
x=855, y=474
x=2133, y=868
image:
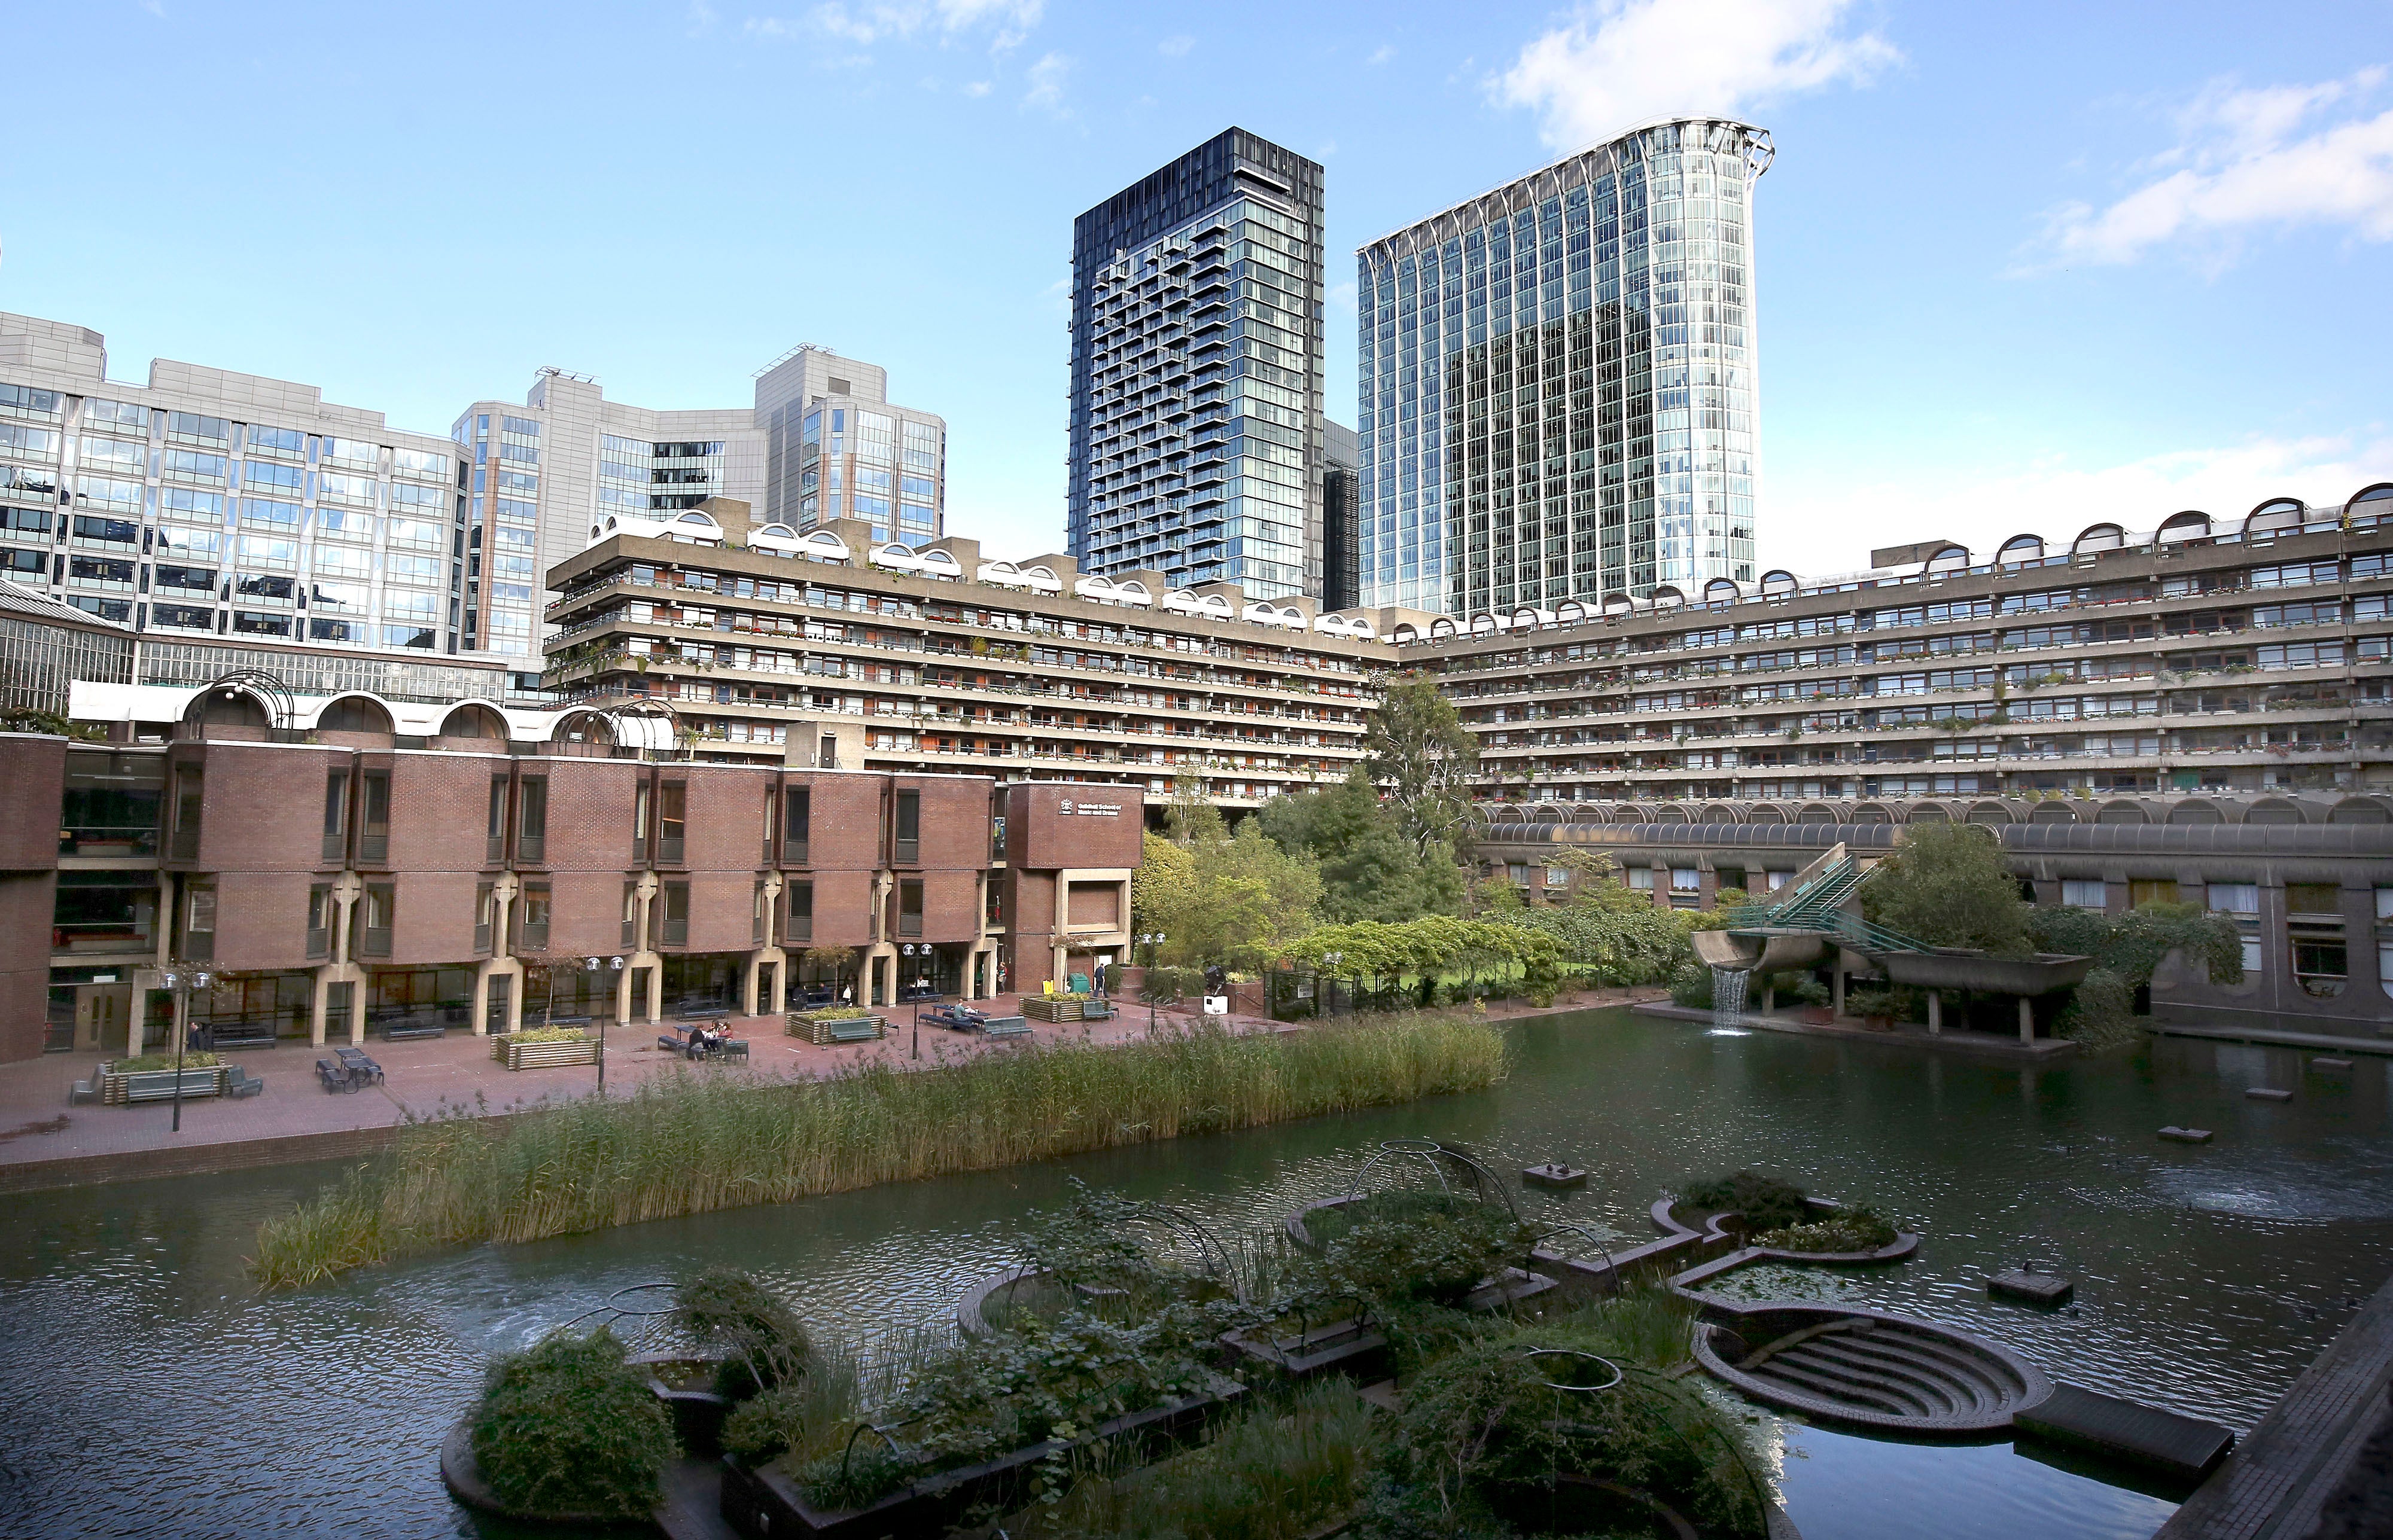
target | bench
x=335, y=1077
x=359, y=1068
x=862, y=1030
x=160, y=1085
x=85, y=1090
x=397, y=1032
x=239, y=1083
x=955, y=1018
x=240, y=1034
x=1096, y=1011
x=1005, y=1027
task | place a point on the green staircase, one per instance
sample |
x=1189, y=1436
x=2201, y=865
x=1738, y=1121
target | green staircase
x=1815, y=901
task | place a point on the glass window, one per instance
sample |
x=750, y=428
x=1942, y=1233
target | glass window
x=2084, y=894
x=2235, y=898
x=277, y=441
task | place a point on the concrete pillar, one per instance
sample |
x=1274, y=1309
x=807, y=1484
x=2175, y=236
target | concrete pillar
x=1935, y=1011
x=1836, y=986
x=1770, y=997
x=320, y=1001
x=624, y=992
x=2027, y=1019
x=657, y=990
x=749, y=979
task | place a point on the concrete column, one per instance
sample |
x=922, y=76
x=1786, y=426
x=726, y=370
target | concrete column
x=320, y=1000
x=1935, y=1011
x=2027, y=1019
x=476, y=1013
x=657, y=990
x=1837, y=983
x=748, y=982
x=135, y=1017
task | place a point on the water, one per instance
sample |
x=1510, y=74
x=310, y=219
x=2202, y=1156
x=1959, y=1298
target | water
x=146, y=1391
x=1728, y=1001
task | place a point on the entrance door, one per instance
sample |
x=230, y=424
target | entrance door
x=767, y=974
x=103, y=1011
x=502, y=986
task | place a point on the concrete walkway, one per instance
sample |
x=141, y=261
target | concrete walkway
x=2271, y=1487
x=46, y=1142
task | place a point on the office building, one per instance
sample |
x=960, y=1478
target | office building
x=1558, y=393
x=1341, y=550
x=837, y=448
x=212, y=505
x=547, y=478
x=1197, y=372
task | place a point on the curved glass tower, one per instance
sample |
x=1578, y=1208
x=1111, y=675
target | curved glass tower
x=1558, y=393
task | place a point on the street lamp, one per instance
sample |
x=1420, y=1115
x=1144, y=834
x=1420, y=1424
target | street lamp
x=592, y=965
x=182, y=984
x=906, y=950
x=1152, y=940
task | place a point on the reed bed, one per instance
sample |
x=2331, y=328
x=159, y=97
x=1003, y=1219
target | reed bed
x=692, y=1144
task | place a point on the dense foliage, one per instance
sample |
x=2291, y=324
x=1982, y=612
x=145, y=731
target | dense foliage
x=1424, y=758
x=1371, y=868
x=148, y=1062
x=570, y=1427
x=1232, y=899
x=1855, y=1229
x=1766, y=1202
x=2133, y=944
x=1400, y=1247
x=1946, y=886
x=731, y=1316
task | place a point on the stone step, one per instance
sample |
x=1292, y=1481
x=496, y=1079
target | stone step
x=2174, y=1444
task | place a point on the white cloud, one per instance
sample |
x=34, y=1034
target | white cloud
x=1047, y=79
x=1175, y=46
x=702, y=18
x=1006, y=22
x=2246, y=160
x=1621, y=62
x=978, y=88
x=1382, y=54
x=1834, y=529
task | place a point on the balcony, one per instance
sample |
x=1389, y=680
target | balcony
x=102, y=839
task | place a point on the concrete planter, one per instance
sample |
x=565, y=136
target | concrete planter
x=157, y=1085
x=544, y=1055
x=764, y=1504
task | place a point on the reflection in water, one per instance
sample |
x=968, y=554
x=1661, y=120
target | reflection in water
x=149, y=1391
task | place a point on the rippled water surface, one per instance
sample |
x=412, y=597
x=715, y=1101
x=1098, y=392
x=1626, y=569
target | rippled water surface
x=147, y=1391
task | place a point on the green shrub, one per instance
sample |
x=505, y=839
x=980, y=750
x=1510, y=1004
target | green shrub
x=1947, y=885
x=568, y=1426
x=1407, y=1247
x=1692, y=986
x=550, y=1035
x=1766, y=1202
x=1896, y=1004
x=1855, y=1229
x=1484, y=1431
x=161, y=1061
x=727, y=1313
x=1808, y=991
x=2101, y=1014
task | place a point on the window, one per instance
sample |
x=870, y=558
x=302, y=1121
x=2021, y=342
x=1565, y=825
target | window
x=532, y=820
x=2143, y=891
x=199, y=920
x=2252, y=955
x=494, y=832
x=486, y=907
x=910, y=908
x=759, y=911
x=336, y=815
x=631, y=916
x=2322, y=964
x=673, y=800
x=320, y=921
x=676, y=921
x=189, y=800
x=2083, y=894
x=909, y=828
x=2236, y=898
x=374, y=833
x=2320, y=898
x=640, y=800
x=1557, y=876
x=535, y=934
x=801, y=906
x=797, y=815
x=1641, y=879
x=996, y=905
x=374, y=912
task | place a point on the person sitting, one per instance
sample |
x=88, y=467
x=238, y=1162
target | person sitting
x=701, y=1042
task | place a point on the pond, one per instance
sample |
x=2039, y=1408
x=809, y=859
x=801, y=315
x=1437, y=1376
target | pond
x=148, y=1390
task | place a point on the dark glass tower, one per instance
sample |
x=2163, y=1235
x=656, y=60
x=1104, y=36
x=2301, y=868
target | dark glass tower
x=1197, y=372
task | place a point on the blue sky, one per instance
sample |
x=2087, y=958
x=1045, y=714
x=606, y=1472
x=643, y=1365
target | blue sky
x=2019, y=267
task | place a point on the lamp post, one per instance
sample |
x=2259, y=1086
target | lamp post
x=1330, y=961
x=592, y=965
x=1152, y=940
x=182, y=984
x=907, y=951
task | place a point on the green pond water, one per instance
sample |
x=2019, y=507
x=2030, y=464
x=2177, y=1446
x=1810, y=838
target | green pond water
x=146, y=1391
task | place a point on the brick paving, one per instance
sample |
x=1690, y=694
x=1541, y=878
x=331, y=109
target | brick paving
x=295, y=1118
x=2273, y=1486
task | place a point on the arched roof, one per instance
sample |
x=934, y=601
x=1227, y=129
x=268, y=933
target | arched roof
x=1946, y=559
x=2021, y=548
x=1722, y=590
x=1990, y=813
x=1666, y=596
x=1778, y=580
x=2375, y=491
x=470, y=708
x=2360, y=810
x=2192, y=523
x=2097, y=537
x=2195, y=810
x=377, y=706
x=2052, y=813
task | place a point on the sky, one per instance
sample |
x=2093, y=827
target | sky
x=2018, y=268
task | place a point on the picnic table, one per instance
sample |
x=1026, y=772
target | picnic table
x=360, y=1068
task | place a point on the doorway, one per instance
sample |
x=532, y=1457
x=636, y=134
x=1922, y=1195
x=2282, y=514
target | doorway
x=102, y=1015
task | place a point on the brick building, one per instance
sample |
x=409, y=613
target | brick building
x=344, y=864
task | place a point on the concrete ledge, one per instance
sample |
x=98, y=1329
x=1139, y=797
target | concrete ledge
x=1983, y=1045
x=182, y=1161
x=2340, y=1042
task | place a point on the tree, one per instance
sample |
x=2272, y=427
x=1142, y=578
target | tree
x=1369, y=870
x=1190, y=814
x=1232, y=899
x=1164, y=882
x=1421, y=753
x=1947, y=885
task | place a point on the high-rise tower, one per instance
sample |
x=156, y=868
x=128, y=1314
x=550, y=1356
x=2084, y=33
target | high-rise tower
x=1197, y=371
x=1557, y=394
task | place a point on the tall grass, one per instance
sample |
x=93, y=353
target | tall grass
x=689, y=1144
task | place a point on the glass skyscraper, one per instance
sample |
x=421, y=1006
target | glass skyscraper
x=1557, y=394
x=1197, y=372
